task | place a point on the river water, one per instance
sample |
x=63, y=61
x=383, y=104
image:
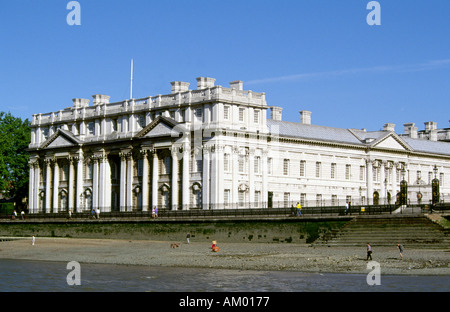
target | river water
x=42, y=276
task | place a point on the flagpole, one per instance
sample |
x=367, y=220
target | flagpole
x=131, y=82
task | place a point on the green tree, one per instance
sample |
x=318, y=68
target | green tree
x=14, y=140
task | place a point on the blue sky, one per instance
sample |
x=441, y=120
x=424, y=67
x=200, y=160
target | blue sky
x=316, y=55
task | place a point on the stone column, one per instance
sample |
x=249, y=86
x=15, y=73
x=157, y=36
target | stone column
x=71, y=184
x=235, y=191
x=174, y=187
x=185, y=177
x=48, y=178
x=145, y=175
x=123, y=180
x=55, y=186
x=219, y=177
x=394, y=181
x=31, y=188
x=36, y=186
x=129, y=182
x=155, y=174
x=251, y=176
x=95, y=182
x=383, y=197
x=264, y=191
x=104, y=202
x=79, y=192
x=205, y=178
x=369, y=165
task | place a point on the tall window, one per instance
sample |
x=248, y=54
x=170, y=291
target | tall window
x=318, y=169
x=286, y=167
x=226, y=112
x=241, y=114
x=318, y=200
x=256, y=116
x=362, y=173
x=269, y=165
x=333, y=170
x=241, y=163
x=287, y=198
x=90, y=128
x=302, y=168
x=257, y=161
x=226, y=162
x=303, y=199
x=226, y=198
x=348, y=171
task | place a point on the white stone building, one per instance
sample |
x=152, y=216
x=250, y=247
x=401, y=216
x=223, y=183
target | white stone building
x=215, y=148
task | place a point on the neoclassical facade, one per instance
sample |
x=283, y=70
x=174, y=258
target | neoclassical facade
x=216, y=148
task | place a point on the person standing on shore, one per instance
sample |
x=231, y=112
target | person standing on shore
x=400, y=248
x=369, y=252
x=188, y=236
x=32, y=241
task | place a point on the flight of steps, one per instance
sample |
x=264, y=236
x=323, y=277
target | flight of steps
x=410, y=231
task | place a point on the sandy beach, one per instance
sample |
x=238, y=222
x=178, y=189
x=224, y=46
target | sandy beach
x=242, y=256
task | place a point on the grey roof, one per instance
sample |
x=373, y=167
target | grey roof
x=311, y=132
x=427, y=146
x=351, y=136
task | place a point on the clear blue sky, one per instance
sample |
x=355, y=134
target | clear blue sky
x=316, y=55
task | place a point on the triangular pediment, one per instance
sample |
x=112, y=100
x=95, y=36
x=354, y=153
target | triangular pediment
x=160, y=127
x=391, y=141
x=61, y=138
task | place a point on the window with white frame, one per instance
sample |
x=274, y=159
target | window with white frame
x=256, y=114
x=226, y=112
x=333, y=170
x=257, y=161
x=287, y=199
x=348, y=171
x=302, y=168
x=241, y=114
x=269, y=165
x=303, y=199
x=362, y=173
x=226, y=162
x=241, y=163
x=285, y=167
x=318, y=169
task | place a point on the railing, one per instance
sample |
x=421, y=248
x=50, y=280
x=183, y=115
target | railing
x=286, y=212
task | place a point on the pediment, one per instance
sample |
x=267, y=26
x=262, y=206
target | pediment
x=391, y=141
x=60, y=139
x=160, y=127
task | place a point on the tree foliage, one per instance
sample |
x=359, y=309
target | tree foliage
x=14, y=140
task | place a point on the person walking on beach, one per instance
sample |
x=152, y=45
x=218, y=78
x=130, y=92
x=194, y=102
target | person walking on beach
x=400, y=248
x=32, y=241
x=346, y=208
x=156, y=212
x=97, y=211
x=70, y=214
x=369, y=252
x=188, y=236
x=153, y=211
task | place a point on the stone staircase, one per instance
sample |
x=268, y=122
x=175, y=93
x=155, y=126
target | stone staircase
x=410, y=231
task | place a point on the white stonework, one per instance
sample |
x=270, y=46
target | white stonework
x=215, y=148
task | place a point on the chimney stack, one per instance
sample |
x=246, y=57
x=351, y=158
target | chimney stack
x=237, y=85
x=179, y=86
x=205, y=82
x=79, y=103
x=305, y=117
x=410, y=130
x=389, y=127
x=100, y=99
x=275, y=113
